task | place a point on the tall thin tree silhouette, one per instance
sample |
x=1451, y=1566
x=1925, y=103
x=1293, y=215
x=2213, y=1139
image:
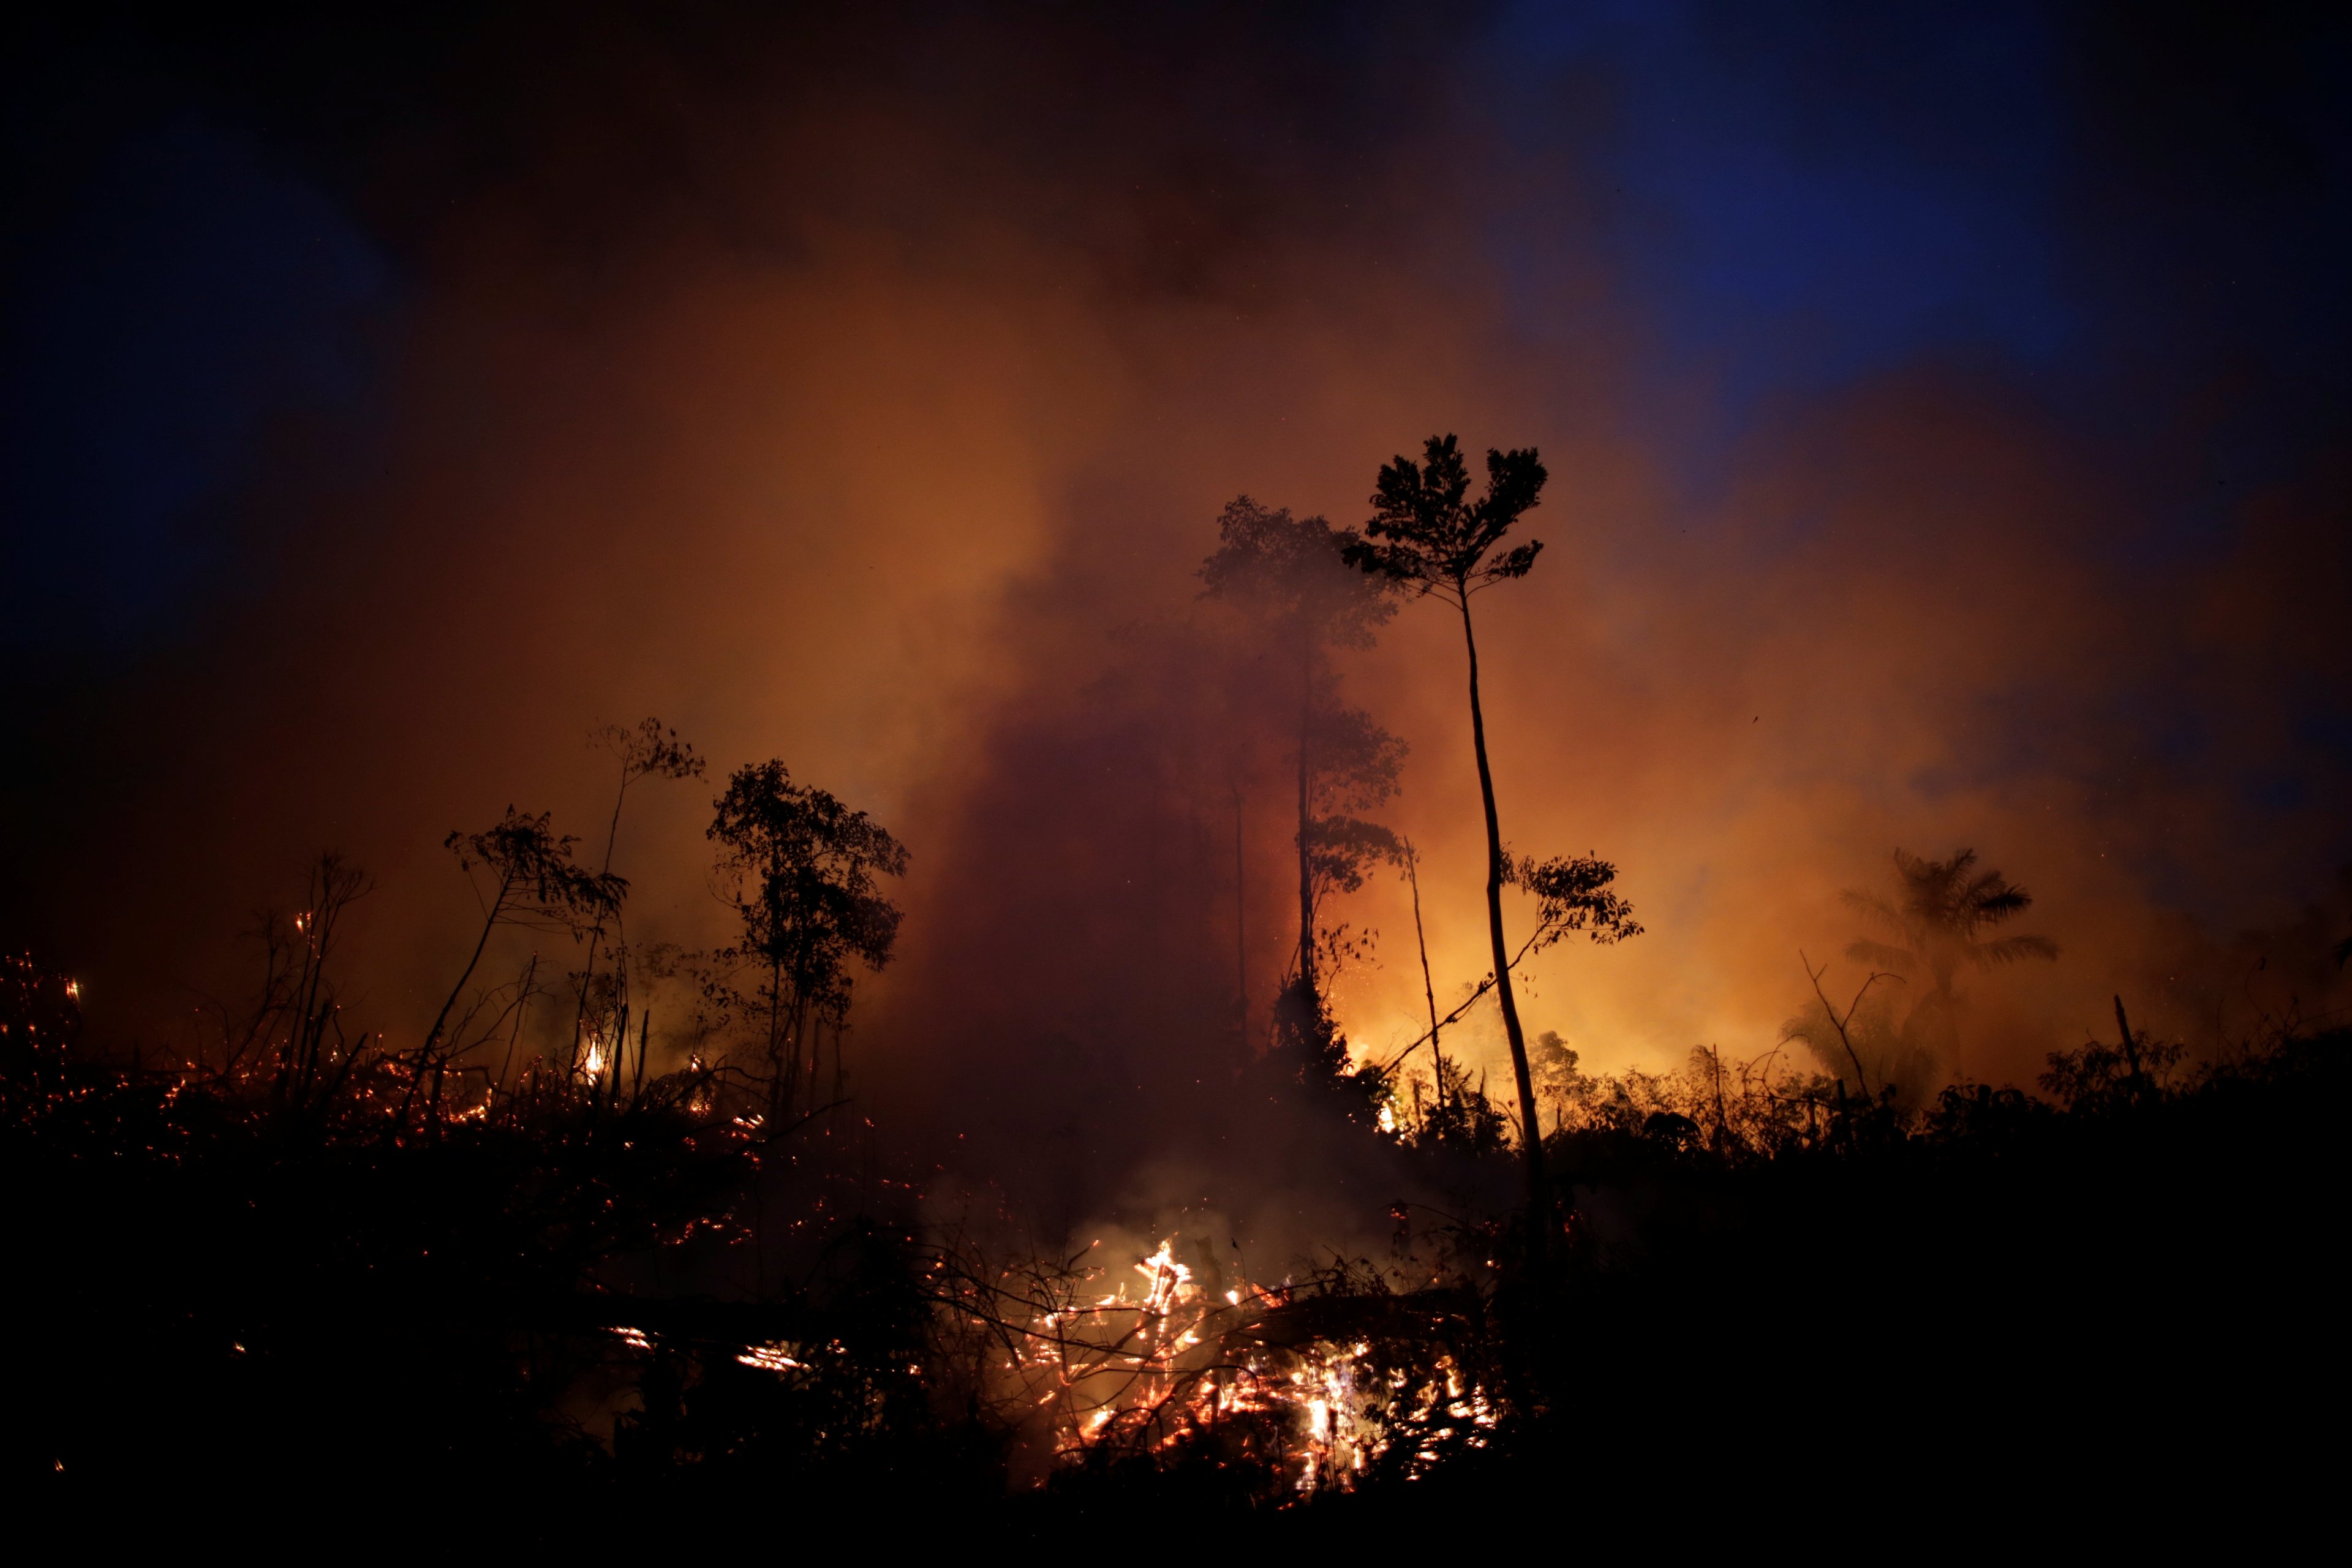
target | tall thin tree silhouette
x=649, y=750
x=1427, y=536
x=1293, y=574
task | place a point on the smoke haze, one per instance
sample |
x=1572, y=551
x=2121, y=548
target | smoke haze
x=1946, y=423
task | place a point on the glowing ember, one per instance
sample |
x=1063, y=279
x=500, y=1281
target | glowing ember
x=773, y=1358
x=1167, y=1358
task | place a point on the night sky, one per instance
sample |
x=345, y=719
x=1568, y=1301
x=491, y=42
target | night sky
x=1948, y=409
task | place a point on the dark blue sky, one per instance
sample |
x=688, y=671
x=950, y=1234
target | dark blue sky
x=1793, y=227
x=2134, y=218
x=2139, y=217
x=186, y=299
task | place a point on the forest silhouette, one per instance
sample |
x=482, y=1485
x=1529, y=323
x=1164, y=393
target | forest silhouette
x=532, y=1246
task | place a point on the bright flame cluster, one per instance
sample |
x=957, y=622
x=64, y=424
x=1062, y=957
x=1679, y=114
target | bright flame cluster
x=1164, y=1359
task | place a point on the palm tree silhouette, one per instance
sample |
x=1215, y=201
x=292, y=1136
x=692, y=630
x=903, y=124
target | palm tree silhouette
x=1934, y=921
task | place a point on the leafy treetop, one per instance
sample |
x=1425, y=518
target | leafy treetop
x=1937, y=914
x=1294, y=570
x=536, y=881
x=1427, y=535
x=1572, y=894
x=807, y=864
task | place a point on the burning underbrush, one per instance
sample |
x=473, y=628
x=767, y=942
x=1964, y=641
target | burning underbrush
x=1053, y=1375
x=569, y=1278
x=630, y=1297
x=1303, y=1386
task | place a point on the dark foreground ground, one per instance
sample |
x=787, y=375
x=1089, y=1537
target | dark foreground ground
x=2000, y=1322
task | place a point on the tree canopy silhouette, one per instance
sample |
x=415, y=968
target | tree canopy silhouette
x=1934, y=923
x=803, y=866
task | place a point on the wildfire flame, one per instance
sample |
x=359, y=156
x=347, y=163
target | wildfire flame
x=1164, y=1357
x=1176, y=1352
x=770, y=1358
x=1169, y=1278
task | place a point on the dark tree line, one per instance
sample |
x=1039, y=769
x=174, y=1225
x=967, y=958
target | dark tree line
x=800, y=869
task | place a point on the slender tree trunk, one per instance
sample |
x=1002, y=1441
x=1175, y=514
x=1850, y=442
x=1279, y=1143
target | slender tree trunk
x=498, y=906
x=645, y=1033
x=1952, y=1013
x=587, y=980
x=1241, y=924
x=616, y=1055
x=2131, y=1051
x=596, y=933
x=1428, y=986
x=816, y=1052
x=780, y=1083
x=523, y=1006
x=796, y=1041
x=1306, y=865
x=1530, y=1127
